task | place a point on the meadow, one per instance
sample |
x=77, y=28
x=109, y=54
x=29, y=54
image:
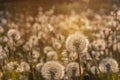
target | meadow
x=50, y=45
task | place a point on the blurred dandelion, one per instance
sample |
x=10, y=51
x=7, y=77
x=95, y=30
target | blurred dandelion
x=94, y=70
x=99, y=44
x=73, y=56
x=39, y=66
x=33, y=40
x=11, y=66
x=108, y=65
x=47, y=49
x=52, y=55
x=13, y=34
x=23, y=67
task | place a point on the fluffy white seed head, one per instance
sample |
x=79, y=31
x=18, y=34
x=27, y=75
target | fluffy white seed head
x=73, y=69
x=52, y=68
x=108, y=65
x=76, y=42
x=13, y=34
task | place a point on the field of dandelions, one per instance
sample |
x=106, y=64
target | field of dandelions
x=48, y=46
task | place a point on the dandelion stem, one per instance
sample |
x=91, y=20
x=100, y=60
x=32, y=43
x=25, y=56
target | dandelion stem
x=73, y=74
x=94, y=60
x=79, y=64
x=52, y=75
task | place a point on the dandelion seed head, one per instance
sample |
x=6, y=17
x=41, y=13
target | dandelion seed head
x=14, y=34
x=39, y=66
x=99, y=44
x=64, y=53
x=118, y=12
x=75, y=41
x=71, y=67
x=73, y=56
x=60, y=37
x=4, y=21
x=33, y=40
x=35, y=54
x=23, y=67
x=36, y=27
x=47, y=49
x=56, y=44
x=11, y=66
x=56, y=68
x=5, y=39
x=108, y=65
x=1, y=30
x=52, y=55
x=94, y=70
x=3, y=55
